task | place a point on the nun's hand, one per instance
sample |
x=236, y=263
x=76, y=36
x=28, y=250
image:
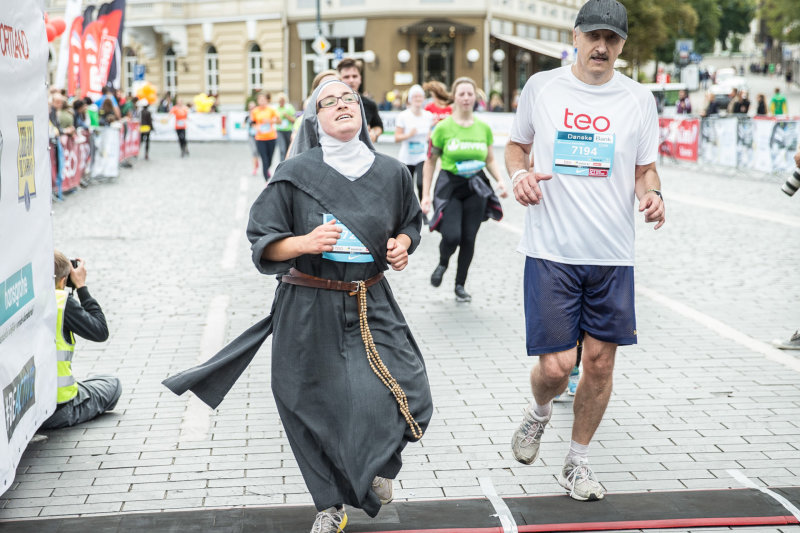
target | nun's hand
x=425, y=204
x=396, y=254
x=322, y=238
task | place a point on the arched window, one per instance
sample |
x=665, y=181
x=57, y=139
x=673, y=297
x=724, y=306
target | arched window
x=170, y=72
x=130, y=68
x=212, y=71
x=254, y=69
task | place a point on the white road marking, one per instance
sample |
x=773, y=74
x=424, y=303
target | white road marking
x=503, y=513
x=197, y=418
x=747, y=482
x=721, y=329
x=734, y=209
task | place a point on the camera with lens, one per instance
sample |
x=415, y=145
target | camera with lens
x=75, y=264
x=792, y=184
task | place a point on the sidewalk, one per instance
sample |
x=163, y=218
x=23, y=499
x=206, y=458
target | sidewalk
x=701, y=394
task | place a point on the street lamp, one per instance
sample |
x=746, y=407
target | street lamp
x=473, y=56
x=403, y=56
x=498, y=55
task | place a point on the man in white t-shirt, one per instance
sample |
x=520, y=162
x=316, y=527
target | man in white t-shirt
x=590, y=135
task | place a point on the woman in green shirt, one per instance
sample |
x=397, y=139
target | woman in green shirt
x=463, y=197
x=286, y=114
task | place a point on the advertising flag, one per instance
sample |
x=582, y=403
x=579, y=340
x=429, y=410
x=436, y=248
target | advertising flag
x=111, y=15
x=74, y=55
x=71, y=11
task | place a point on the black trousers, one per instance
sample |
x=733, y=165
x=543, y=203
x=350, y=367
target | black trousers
x=265, y=151
x=416, y=176
x=144, y=139
x=182, y=141
x=461, y=218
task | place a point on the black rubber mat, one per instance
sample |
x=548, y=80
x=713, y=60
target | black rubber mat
x=700, y=508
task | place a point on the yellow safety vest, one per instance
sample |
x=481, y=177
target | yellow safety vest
x=67, y=387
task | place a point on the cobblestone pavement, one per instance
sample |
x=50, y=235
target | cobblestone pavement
x=701, y=395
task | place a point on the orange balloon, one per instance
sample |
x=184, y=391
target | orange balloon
x=59, y=25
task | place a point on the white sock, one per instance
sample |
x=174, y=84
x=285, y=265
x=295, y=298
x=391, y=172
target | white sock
x=542, y=411
x=578, y=453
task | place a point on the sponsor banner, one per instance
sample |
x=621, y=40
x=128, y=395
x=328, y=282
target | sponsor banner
x=27, y=295
x=107, y=148
x=77, y=152
x=90, y=78
x=129, y=140
x=199, y=127
x=763, y=144
x=237, y=126
x=679, y=138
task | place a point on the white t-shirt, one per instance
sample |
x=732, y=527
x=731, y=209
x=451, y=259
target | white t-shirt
x=414, y=150
x=582, y=219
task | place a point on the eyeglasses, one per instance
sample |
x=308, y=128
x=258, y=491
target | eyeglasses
x=330, y=101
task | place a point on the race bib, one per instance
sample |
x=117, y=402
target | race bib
x=266, y=127
x=583, y=154
x=469, y=167
x=416, y=148
x=285, y=124
x=348, y=249
x=180, y=123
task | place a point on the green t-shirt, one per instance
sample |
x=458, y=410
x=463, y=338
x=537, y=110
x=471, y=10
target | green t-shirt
x=463, y=149
x=284, y=112
x=778, y=104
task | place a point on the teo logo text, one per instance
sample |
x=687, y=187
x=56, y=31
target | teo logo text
x=583, y=121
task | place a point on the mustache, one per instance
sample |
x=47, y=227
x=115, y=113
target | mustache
x=600, y=56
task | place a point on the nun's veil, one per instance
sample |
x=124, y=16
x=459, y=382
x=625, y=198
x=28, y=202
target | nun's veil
x=307, y=136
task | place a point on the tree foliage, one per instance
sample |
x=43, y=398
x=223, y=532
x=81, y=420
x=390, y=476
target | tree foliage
x=736, y=17
x=783, y=19
x=680, y=20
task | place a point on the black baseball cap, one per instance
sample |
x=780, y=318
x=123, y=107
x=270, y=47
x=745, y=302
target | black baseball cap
x=603, y=15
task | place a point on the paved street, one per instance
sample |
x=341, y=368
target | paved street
x=702, y=394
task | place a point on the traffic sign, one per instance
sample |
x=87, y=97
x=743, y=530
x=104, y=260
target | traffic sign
x=321, y=45
x=338, y=53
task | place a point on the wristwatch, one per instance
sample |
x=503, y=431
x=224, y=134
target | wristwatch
x=657, y=192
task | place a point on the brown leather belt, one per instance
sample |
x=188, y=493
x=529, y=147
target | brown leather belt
x=295, y=277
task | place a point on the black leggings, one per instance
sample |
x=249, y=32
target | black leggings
x=144, y=139
x=416, y=176
x=459, y=227
x=182, y=141
x=265, y=150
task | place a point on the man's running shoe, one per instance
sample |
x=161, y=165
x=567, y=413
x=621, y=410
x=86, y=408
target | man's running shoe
x=462, y=295
x=331, y=520
x=580, y=482
x=438, y=274
x=526, y=439
x=382, y=487
x=792, y=344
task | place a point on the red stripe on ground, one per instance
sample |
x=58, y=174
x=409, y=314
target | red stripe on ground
x=628, y=524
x=668, y=523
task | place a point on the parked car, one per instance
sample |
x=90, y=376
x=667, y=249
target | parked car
x=666, y=95
x=726, y=79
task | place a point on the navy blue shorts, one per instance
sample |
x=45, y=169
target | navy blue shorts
x=562, y=300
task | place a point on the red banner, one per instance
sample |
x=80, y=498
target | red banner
x=74, y=55
x=678, y=138
x=129, y=140
x=110, y=18
x=77, y=158
x=91, y=82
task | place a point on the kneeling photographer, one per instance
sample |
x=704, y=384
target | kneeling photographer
x=78, y=401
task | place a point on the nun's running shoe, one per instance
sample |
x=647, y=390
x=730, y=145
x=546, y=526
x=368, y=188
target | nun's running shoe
x=462, y=295
x=580, y=482
x=528, y=436
x=382, y=487
x=331, y=520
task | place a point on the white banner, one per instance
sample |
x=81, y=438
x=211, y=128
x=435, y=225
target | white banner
x=199, y=127
x=500, y=123
x=236, y=126
x=27, y=292
x=106, y=154
x=72, y=10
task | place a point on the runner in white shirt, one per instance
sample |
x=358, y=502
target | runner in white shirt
x=412, y=127
x=592, y=135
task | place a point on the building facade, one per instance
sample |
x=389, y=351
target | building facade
x=232, y=48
